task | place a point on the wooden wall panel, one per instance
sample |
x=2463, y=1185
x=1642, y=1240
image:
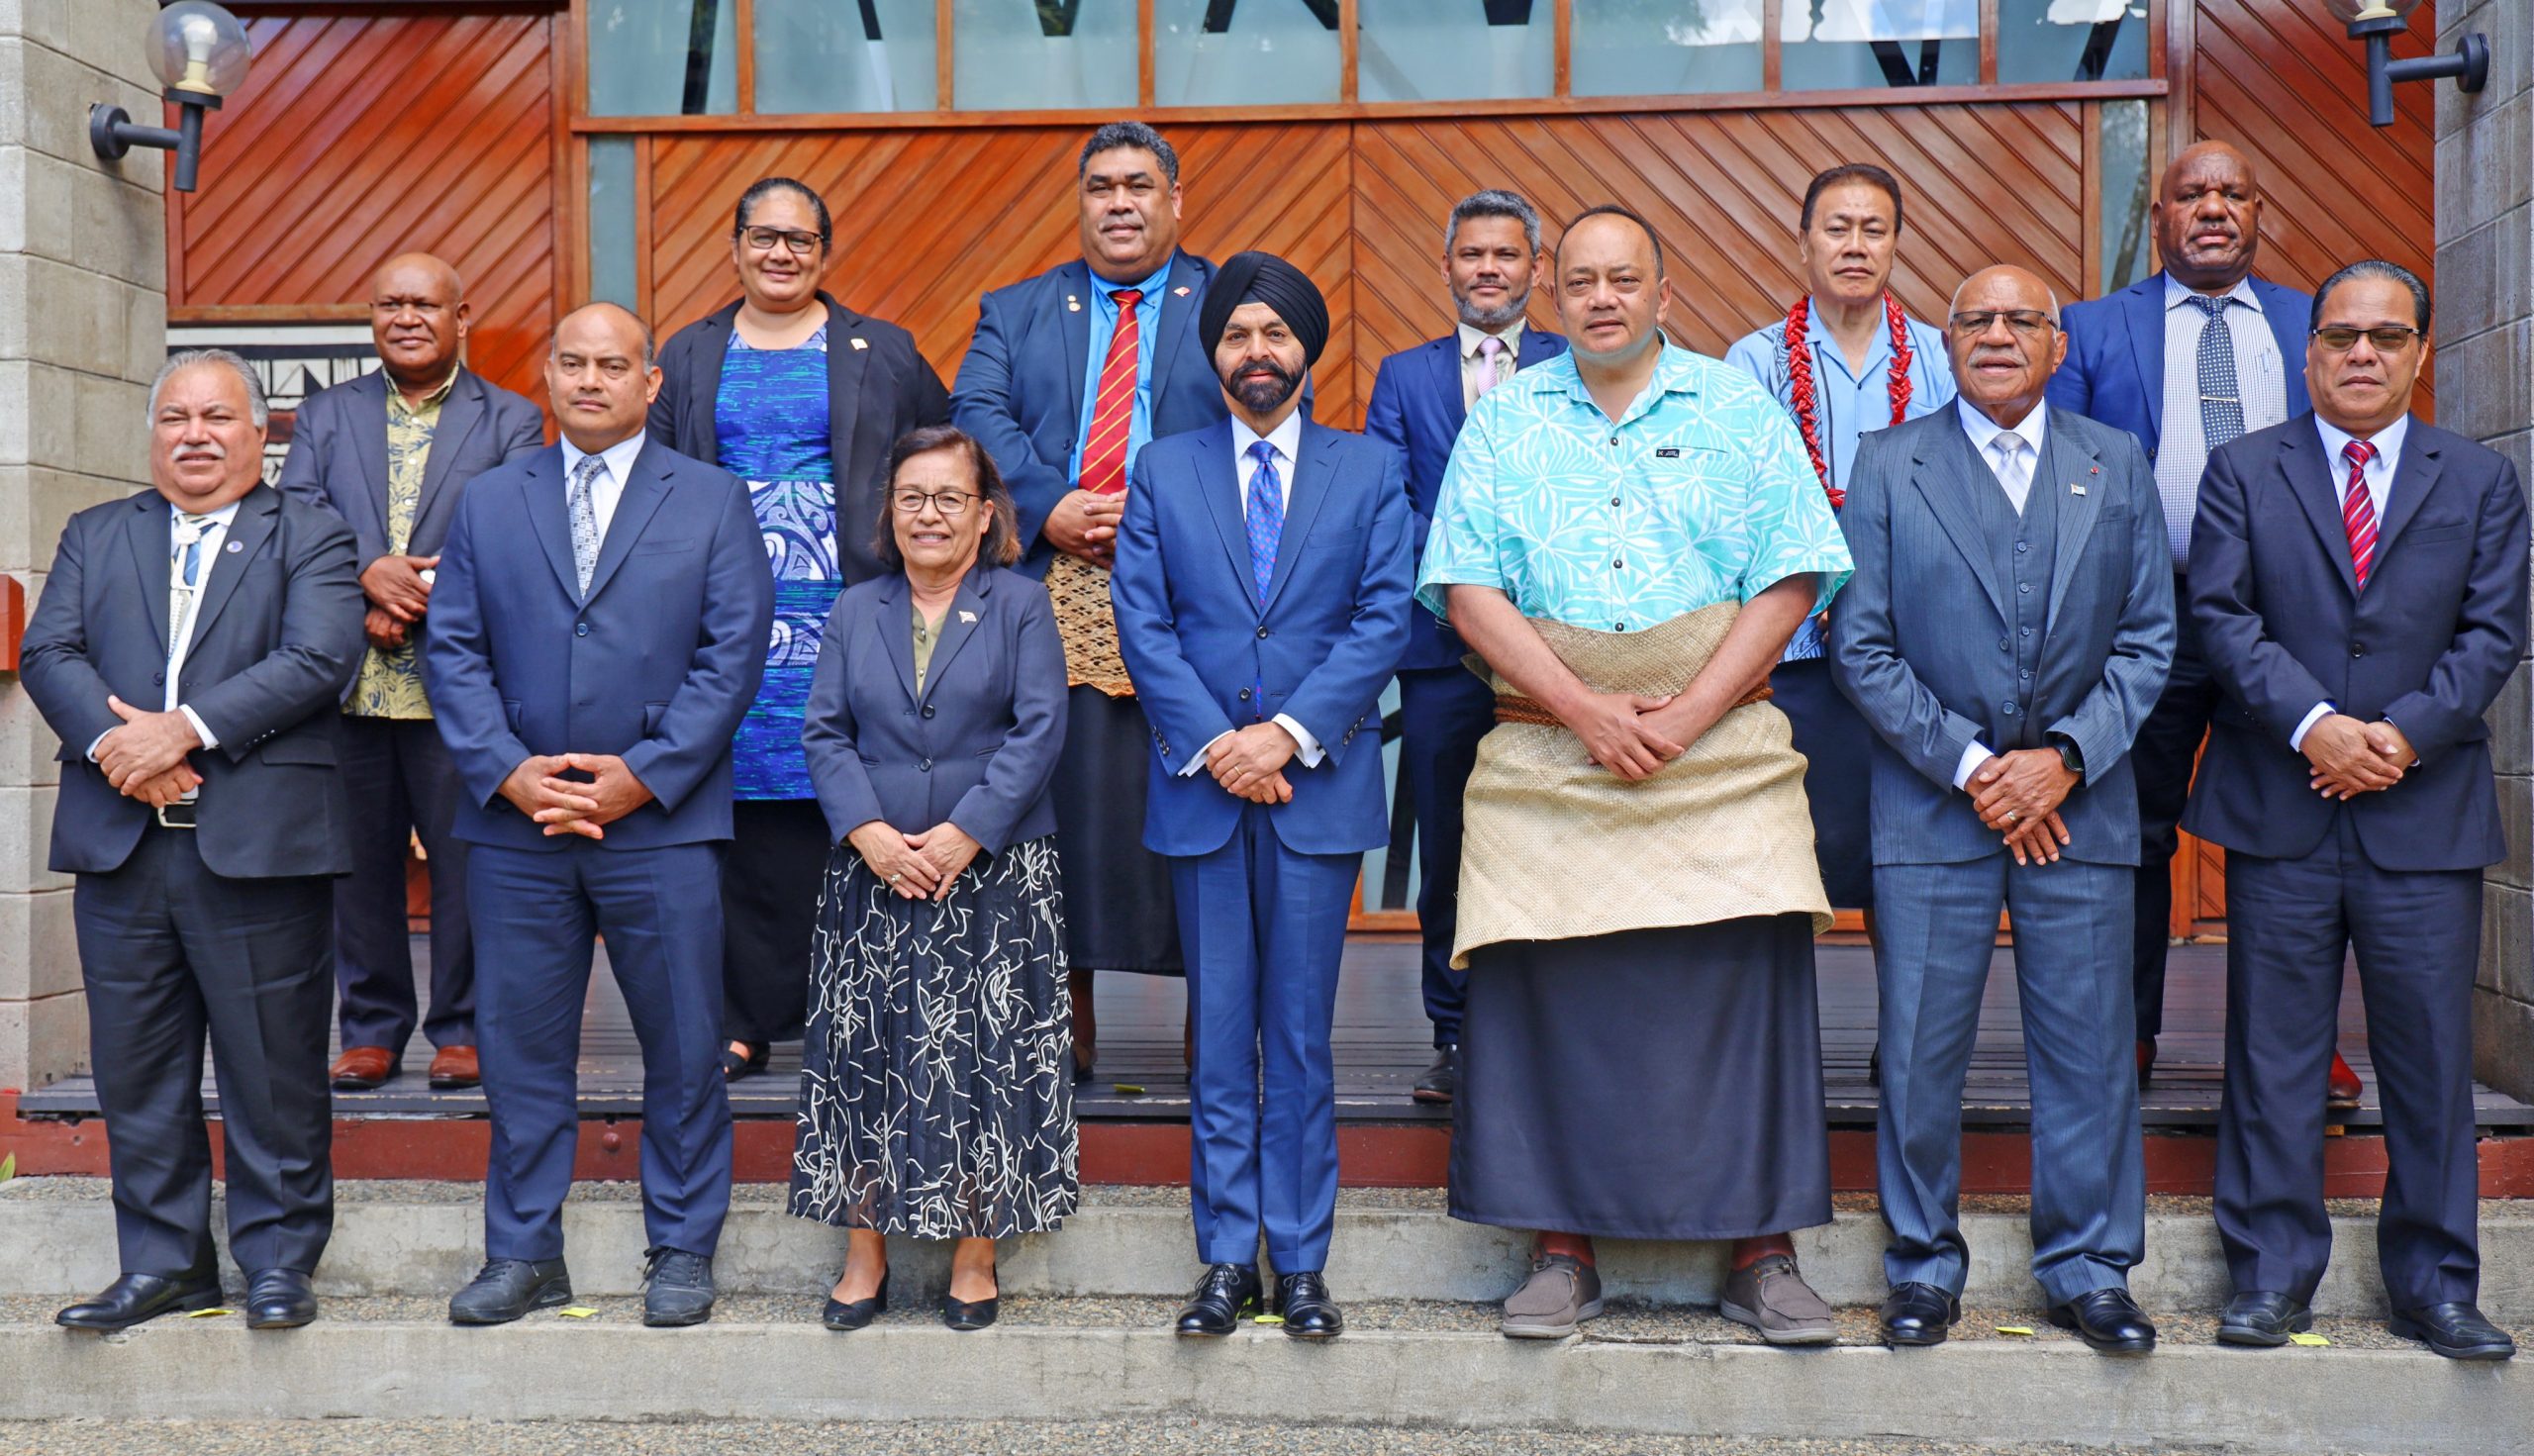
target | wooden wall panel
x=357, y=138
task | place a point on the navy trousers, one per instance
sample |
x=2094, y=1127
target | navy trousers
x=398, y=772
x=2072, y=938
x=2164, y=754
x=536, y=915
x=1442, y=714
x=169, y=951
x=1262, y=929
x=2289, y=923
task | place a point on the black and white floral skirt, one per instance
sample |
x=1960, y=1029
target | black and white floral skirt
x=937, y=1083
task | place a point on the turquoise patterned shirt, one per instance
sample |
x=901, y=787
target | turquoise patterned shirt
x=1702, y=493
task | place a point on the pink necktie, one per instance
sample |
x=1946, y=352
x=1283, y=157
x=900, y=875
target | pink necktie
x=1491, y=359
x=2358, y=512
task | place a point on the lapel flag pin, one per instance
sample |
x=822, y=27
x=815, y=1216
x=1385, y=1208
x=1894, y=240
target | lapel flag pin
x=968, y=617
x=1073, y=305
x=1180, y=292
x=2075, y=489
x=858, y=344
x=234, y=546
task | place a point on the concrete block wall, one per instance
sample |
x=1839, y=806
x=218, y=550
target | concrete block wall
x=2484, y=365
x=83, y=321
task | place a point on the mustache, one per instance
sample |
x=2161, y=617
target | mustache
x=210, y=451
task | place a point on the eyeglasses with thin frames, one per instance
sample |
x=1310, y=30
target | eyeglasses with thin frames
x=2029, y=323
x=2388, y=338
x=952, y=504
x=764, y=240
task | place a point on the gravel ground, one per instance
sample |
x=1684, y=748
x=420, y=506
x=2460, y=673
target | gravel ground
x=1147, y=1438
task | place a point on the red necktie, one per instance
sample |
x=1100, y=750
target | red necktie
x=2357, y=512
x=1112, y=408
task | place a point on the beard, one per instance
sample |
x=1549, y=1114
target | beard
x=1260, y=393
x=1488, y=321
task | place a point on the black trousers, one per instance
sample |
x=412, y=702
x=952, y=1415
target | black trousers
x=1442, y=714
x=170, y=951
x=2418, y=937
x=401, y=783
x=770, y=875
x=2163, y=755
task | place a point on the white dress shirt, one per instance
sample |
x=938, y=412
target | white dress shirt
x=609, y=488
x=2261, y=387
x=1984, y=434
x=1285, y=439
x=215, y=537
x=1474, y=364
x=2377, y=477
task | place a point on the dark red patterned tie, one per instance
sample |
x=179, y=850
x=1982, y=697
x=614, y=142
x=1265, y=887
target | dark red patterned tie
x=2358, y=512
x=1112, y=408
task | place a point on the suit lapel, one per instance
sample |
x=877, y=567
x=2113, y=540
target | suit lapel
x=1219, y=481
x=633, y=509
x=248, y=529
x=150, y=534
x=2144, y=306
x=2285, y=314
x=845, y=368
x=460, y=415
x=967, y=612
x=2414, y=476
x=2309, y=480
x=550, y=515
x=1073, y=286
x=895, y=623
x=1315, y=463
x=370, y=441
x=1179, y=293
x=1443, y=357
x=2067, y=467
x=1948, y=471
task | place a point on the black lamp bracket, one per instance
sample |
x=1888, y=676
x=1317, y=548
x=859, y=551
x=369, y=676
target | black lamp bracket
x=113, y=131
x=2468, y=63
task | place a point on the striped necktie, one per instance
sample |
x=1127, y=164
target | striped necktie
x=184, y=574
x=1112, y=408
x=2357, y=511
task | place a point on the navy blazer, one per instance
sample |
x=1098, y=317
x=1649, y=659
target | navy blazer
x=1019, y=388
x=1416, y=410
x=656, y=665
x=339, y=454
x=976, y=747
x=1197, y=643
x=1911, y=635
x=2116, y=367
x=2428, y=644
x=875, y=394
x=276, y=640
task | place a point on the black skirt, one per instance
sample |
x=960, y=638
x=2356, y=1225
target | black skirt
x=769, y=895
x=1646, y=1084
x=1119, y=916
x=1838, y=753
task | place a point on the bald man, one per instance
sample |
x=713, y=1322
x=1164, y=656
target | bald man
x=2002, y=781
x=2196, y=355
x=390, y=452
x=597, y=632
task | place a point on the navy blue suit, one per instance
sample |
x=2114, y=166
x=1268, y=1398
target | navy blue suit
x=2393, y=875
x=1264, y=892
x=655, y=664
x=1445, y=709
x=2114, y=374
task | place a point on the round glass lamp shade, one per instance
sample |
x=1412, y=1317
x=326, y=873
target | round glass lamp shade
x=2350, y=12
x=198, y=47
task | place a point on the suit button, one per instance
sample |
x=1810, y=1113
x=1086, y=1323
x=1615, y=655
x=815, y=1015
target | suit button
x=2005, y=646
x=1262, y=633
x=2026, y=588
x=159, y=679
x=580, y=629
x=928, y=710
x=2008, y=709
x=2022, y=547
x=1244, y=695
x=924, y=765
x=2358, y=649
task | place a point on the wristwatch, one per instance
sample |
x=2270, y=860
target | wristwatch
x=2069, y=753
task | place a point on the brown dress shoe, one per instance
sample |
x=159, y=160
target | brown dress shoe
x=363, y=1068
x=2342, y=1091
x=454, y=1067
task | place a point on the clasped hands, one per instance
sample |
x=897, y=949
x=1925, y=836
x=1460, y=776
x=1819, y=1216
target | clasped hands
x=144, y=756
x=398, y=598
x=1250, y=762
x=1084, y=524
x=1631, y=735
x=583, y=807
x=915, y=866
x=2350, y=757
x=2018, y=794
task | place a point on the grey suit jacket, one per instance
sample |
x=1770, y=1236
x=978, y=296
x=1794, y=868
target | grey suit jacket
x=1920, y=638
x=339, y=454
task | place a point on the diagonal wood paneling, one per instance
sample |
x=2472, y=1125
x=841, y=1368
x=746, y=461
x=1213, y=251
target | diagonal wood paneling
x=355, y=138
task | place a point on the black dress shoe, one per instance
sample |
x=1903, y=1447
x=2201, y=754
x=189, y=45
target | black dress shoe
x=2260, y=1318
x=135, y=1297
x=735, y=1065
x=505, y=1290
x=279, y=1299
x=2455, y=1331
x=1874, y=1066
x=1310, y=1314
x=1228, y=1292
x=1440, y=1080
x=1915, y=1313
x=2107, y=1319
x=846, y=1317
x=677, y=1288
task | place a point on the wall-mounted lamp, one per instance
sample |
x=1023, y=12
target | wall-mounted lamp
x=2375, y=24
x=200, y=53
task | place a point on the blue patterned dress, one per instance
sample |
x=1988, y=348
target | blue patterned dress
x=770, y=420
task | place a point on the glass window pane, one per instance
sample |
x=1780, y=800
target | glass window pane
x=821, y=55
x=664, y=57
x=1664, y=47
x=2128, y=255
x=1455, y=49
x=2072, y=39
x=1054, y=54
x=1243, y=53
x=1862, y=45
x=612, y=221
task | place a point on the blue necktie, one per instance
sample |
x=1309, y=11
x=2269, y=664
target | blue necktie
x=1266, y=517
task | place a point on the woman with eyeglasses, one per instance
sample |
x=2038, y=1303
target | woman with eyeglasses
x=937, y=1087
x=801, y=397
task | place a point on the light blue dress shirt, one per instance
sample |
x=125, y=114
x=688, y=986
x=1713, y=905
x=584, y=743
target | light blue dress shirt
x=1103, y=328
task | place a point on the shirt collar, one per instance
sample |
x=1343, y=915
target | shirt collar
x=1878, y=353
x=618, y=457
x=1675, y=373
x=1150, y=287
x=437, y=397
x=2242, y=293
x=2387, y=440
x=1471, y=339
x=1286, y=438
x=221, y=517
x=1983, y=430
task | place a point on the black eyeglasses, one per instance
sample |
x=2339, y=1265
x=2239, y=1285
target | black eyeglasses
x=2388, y=339
x=764, y=240
x=951, y=503
x=2030, y=323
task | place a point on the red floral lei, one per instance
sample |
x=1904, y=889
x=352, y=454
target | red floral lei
x=1807, y=409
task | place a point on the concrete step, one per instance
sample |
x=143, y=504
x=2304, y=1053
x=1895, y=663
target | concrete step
x=1653, y=1373
x=423, y=1239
